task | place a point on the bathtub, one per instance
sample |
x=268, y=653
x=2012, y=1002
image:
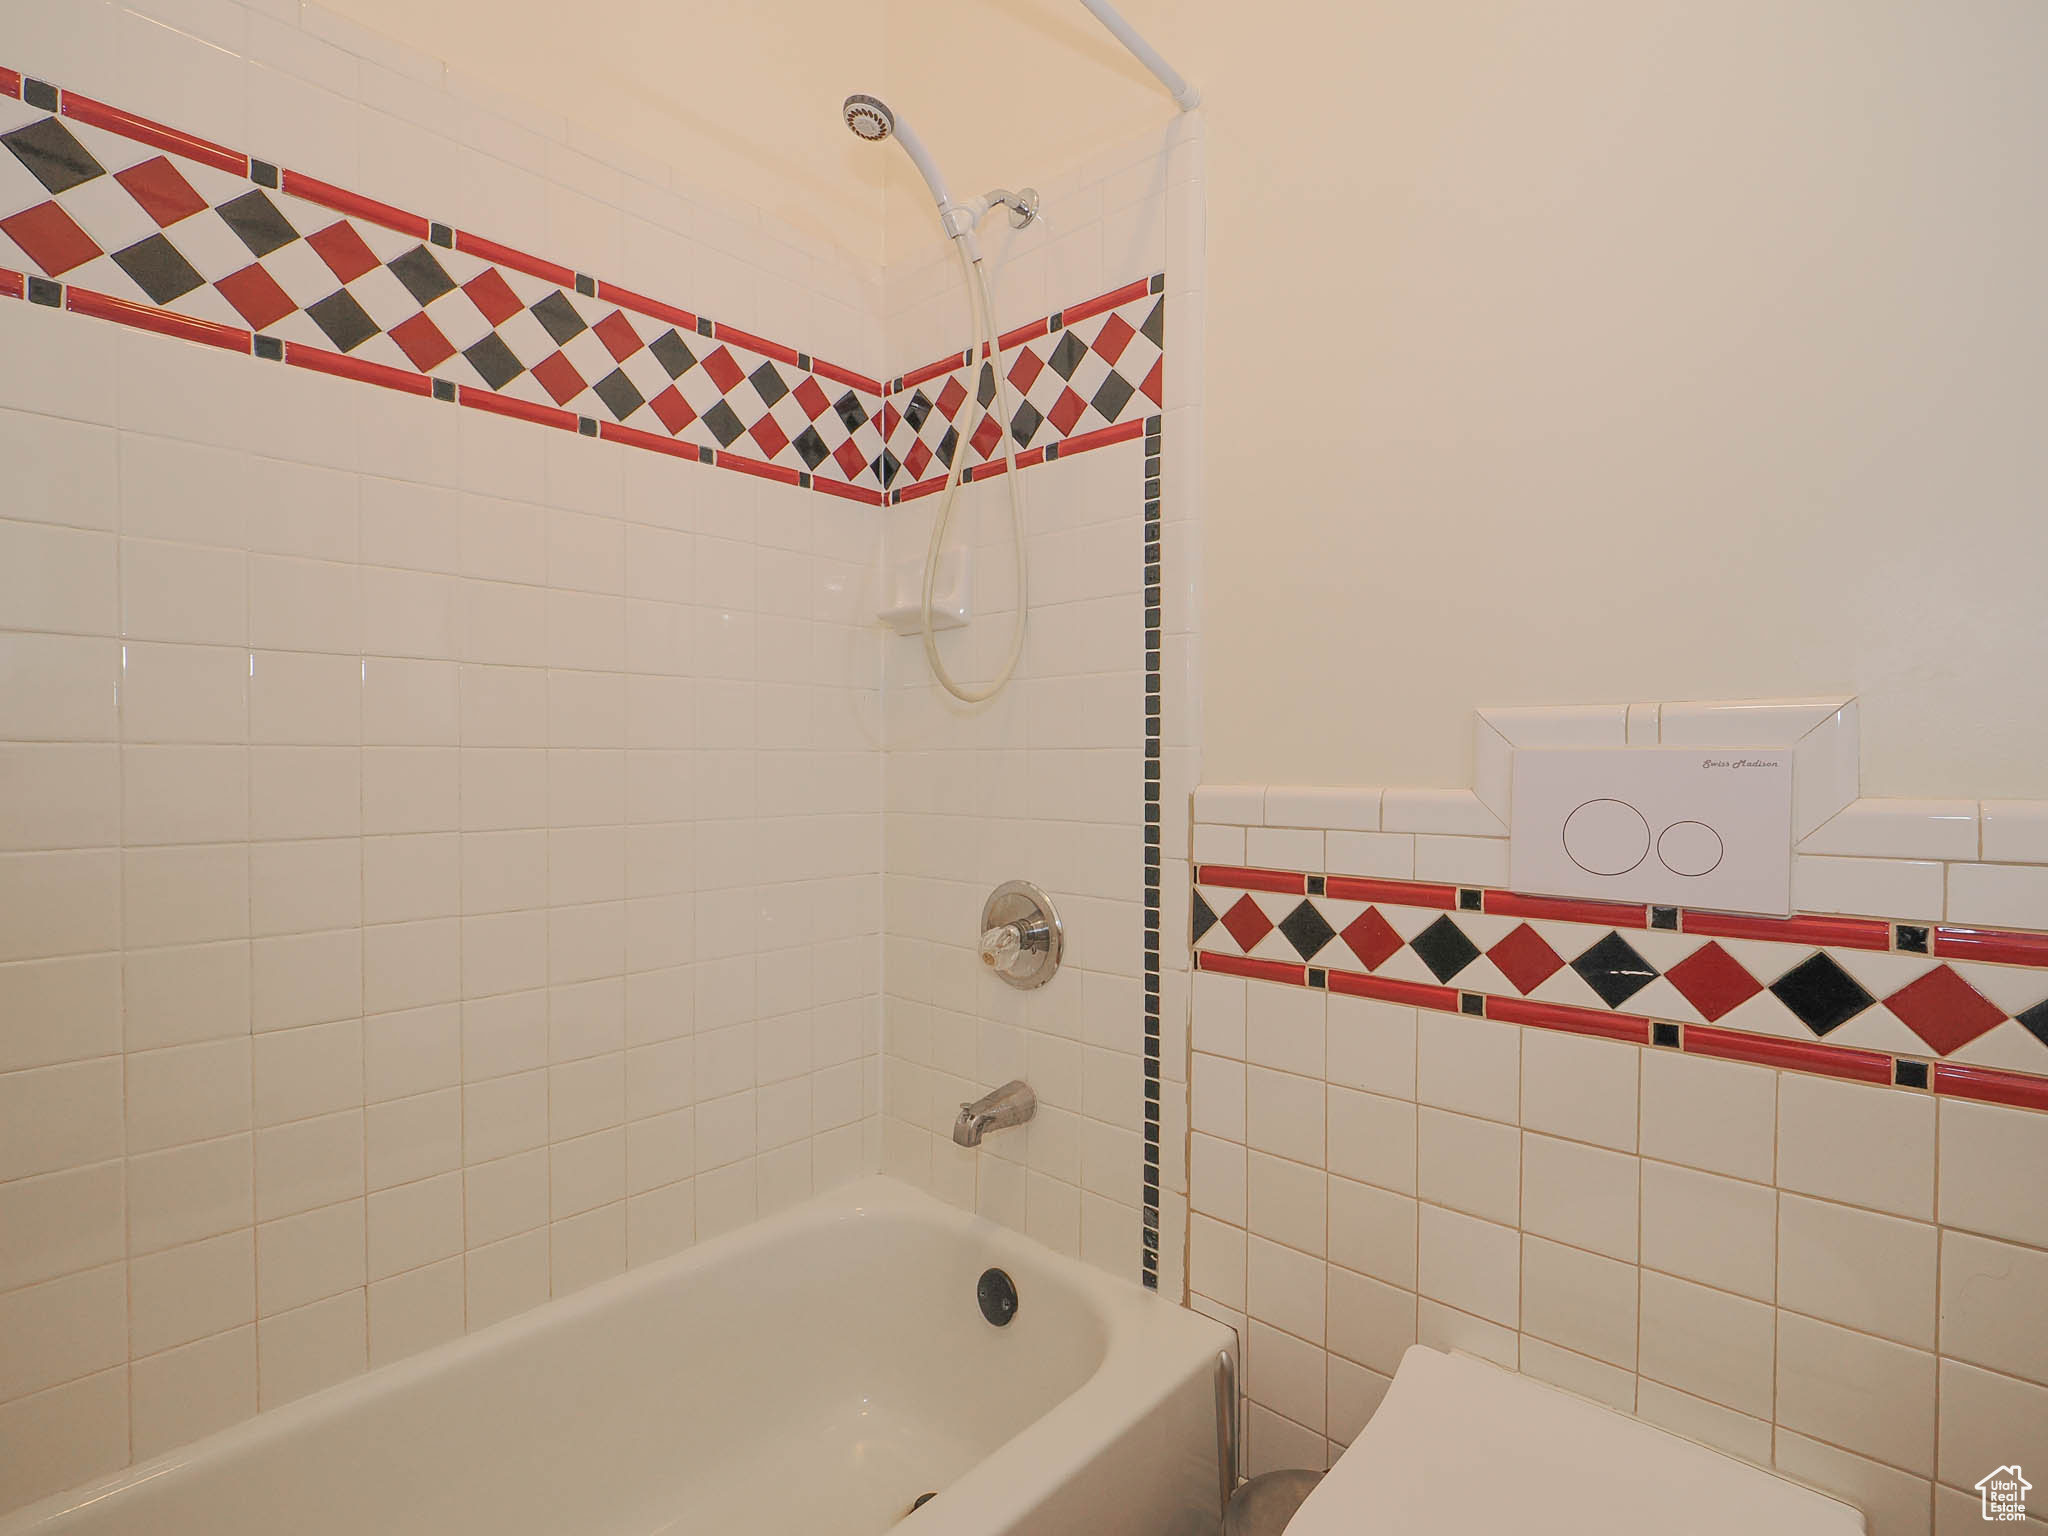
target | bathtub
x=811, y=1375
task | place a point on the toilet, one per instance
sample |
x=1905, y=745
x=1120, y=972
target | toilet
x=1459, y=1447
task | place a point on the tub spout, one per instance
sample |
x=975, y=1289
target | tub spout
x=1011, y=1104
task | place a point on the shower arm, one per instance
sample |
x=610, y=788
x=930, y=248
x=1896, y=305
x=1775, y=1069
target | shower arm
x=1184, y=94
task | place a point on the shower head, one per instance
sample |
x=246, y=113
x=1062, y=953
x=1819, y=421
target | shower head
x=872, y=120
x=869, y=118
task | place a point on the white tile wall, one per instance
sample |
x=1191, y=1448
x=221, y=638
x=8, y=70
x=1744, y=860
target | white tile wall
x=441, y=859
x=1764, y=1261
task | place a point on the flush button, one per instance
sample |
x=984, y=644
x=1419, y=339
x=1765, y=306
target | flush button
x=1690, y=848
x=1606, y=837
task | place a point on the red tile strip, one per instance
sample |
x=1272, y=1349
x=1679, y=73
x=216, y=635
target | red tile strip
x=518, y=261
x=626, y=298
x=747, y=466
x=10, y=83
x=867, y=496
x=356, y=206
x=523, y=410
x=12, y=284
x=1996, y=944
x=846, y=376
x=1397, y=893
x=97, y=113
x=320, y=360
x=1028, y=332
x=1075, y=314
x=921, y=489
x=1257, y=970
x=146, y=317
x=1386, y=989
x=633, y=437
x=1103, y=437
x=760, y=344
x=1566, y=909
x=1237, y=878
x=930, y=371
x=1987, y=1086
x=1799, y=1055
x=1844, y=932
x=1576, y=1021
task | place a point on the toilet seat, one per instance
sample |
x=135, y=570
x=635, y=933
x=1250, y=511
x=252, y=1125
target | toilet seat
x=1462, y=1448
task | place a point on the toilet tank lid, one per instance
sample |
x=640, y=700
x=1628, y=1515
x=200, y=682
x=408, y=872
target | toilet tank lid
x=1459, y=1447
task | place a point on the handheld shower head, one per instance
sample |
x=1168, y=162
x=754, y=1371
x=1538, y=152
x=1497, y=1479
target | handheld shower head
x=869, y=118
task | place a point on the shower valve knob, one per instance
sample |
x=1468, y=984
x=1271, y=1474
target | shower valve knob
x=1021, y=937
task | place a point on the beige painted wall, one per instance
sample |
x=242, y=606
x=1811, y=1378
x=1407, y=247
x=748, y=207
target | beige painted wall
x=741, y=96
x=1593, y=349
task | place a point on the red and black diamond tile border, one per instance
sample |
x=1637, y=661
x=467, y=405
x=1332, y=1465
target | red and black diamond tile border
x=208, y=244
x=1954, y=1010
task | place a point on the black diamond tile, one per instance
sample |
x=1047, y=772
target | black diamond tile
x=158, y=269
x=493, y=361
x=767, y=383
x=423, y=276
x=52, y=155
x=1614, y=970
x=852, y=414
x=948, y=446
x=2036, y=1021
x=1444, y=948
x=342, y=320
x=810, y=447
x=620, y=395
x=675, y=358
x=558, y=316
x=1025, y=424
x=724, y=423
x=1821, y=994
x=1204, y=918
x=1067, y=356
x=985, y=388
x=255, y=218
x=886, y=466
x=1112, y=396
x=1306, y=930
x=919, y=408
x=1154, y=328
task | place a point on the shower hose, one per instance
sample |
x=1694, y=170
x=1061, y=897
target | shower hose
x=981, y=308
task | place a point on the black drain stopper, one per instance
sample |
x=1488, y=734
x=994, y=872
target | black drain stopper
x=997, y=1294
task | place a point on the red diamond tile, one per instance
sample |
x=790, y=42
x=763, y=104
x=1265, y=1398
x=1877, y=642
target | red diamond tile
x=725, y=373
x=986, y=436
x=1713, y=981
x=949, y=402
x=811, y=398
x=1025, y=371
x=1372, y=938
x=1155, y=383
x=1525, y=959
x=673, y=409
x=343, y=250
x=849, y=459
x=919, y=456
x=1066, y=411
x=256, y=296
x=1945, y=1010
x=890, y=416
x=618, y=335
x=558, y=376
x=165, y=196
x=421, y=340
x=1247, y=922
x=51, y=238
x=1115, y=335
x=769, y=434
x=493, y=296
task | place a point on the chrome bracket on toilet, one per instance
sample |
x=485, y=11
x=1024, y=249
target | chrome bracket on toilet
x=1021, y=936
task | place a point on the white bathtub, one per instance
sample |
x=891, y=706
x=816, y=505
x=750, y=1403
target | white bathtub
x=808, y=1376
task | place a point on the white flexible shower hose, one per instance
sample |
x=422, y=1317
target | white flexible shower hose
x=982, y=310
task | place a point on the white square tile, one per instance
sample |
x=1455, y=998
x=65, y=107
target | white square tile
x=189, y=1392
x=1580, y=1087
x=1718, y=1231
x=1853, y=1142
x=1285, y=1029
x=1708, y=1343
x=1372, y=1230
x=1990, y=1312
x=2010, y=894
x=1987, y=1421
x=1981, y=1145
x=1720, y=1116
x=1863, y=1394
x=1286, y=1288
x=1579, y=1300
x=1371, y=1045
x=1470, y=1165
x=1581, y=1195
x=1469, y=1065
x=1371, y=1323
x=1372, y=1139
x=1890, y=1499
x=1469, y=1264
x=1287, y=1203
x=1857, y=1268
x=1284, y=1115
